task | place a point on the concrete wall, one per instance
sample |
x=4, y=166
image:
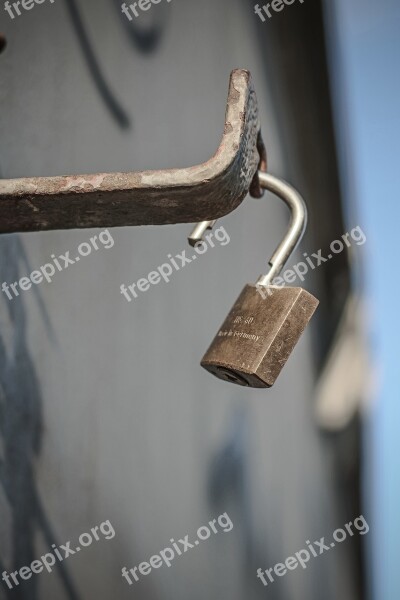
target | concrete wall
x=106, y=413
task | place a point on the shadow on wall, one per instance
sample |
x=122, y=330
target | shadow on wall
x=21, y=431
x=144, y=39
x=21, y=412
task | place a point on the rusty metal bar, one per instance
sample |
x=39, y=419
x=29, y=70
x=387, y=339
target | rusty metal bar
x=204, y=192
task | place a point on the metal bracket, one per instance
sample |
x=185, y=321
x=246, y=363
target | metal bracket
x=204, y=192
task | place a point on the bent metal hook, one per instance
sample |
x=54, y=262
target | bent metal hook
x=206, y=191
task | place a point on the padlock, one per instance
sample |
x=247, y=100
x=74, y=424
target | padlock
x=257, y=337
x=266, y=322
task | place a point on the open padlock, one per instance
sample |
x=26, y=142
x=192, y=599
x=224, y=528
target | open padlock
x=266, y=321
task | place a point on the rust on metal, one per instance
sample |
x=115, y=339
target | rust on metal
x=256, y=339
x=203, y=192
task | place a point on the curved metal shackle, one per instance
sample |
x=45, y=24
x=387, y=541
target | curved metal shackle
x=294, y=234
x=297, y=225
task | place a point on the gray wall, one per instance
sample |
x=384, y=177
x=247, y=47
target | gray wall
x=106, y=411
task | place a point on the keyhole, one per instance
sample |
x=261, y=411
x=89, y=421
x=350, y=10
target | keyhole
x=232, y=377
x=3, y=42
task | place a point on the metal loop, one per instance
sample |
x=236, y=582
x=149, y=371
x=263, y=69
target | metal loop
x=294, y=234
x=297, y=225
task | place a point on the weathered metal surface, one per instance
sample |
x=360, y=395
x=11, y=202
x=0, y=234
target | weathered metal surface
x=204, y=192
x=257, y=337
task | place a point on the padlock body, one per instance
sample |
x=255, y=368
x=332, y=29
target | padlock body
x=257, y=337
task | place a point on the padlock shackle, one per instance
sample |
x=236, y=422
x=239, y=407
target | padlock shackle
x=297, y=225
